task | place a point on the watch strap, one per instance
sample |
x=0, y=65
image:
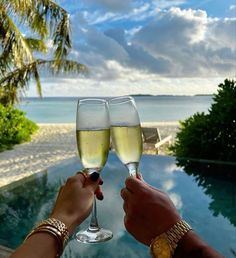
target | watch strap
x=172, y=236
x=176, y=232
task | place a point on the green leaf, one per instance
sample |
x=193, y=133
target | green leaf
x=43, y=20
x=37, y=45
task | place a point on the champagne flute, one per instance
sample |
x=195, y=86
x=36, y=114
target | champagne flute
x=93, y=142
x=126, y=132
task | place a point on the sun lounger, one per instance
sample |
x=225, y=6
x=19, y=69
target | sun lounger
x=163, y=141
x=152, y=136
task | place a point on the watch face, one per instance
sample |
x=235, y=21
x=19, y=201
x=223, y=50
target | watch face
x=161, y=248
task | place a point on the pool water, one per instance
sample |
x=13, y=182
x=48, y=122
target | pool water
x=207, y=203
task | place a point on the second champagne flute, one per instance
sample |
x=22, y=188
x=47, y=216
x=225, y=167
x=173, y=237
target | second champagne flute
x=126, y=132
x=93, y=141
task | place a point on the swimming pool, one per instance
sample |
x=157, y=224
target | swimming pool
x=207, y=203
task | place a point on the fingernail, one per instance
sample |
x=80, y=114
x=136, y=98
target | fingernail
x=94, y=177
x=101, y=182
x=100, y=197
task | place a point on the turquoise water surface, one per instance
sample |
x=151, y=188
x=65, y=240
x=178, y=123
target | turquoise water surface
x=151, y=108
x=207, y=203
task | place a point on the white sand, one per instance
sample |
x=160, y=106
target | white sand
x=49, y=146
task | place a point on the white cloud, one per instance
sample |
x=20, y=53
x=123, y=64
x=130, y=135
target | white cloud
x=133, y=31
x=136, y=10
x=232, y=7
x=129, y=82
x=167, y=185
x=195, y=44
x=178, y=51
x=140, y=11
x=178, y=43
x=222, y=33
x=99, y=17
x=173, y=28
x=176, y=199
x=93, y=47
x=137, y=13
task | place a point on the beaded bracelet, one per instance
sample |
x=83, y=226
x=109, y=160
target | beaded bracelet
x=54, y=227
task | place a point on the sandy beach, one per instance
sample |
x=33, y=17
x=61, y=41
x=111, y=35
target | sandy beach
x=52, y=144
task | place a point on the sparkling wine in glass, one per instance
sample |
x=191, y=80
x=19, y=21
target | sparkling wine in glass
x=126, y=132
x=93, y=142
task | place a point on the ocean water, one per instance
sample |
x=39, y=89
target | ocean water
x=150, y=108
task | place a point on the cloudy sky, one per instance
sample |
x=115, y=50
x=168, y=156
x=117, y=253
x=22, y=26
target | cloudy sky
x=149, y=47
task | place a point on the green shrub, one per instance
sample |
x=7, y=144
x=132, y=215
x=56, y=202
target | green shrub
x=212, y=135
x=14, y=127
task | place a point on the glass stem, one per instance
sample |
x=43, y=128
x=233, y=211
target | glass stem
x=133, y=169
x=94, y=222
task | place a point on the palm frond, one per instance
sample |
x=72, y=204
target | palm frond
x=14, y=46
x=36, y=45
x=45, y=17
x=18, y=80
x=8, y=96
x=62, y=38
x=69, y=67
x=60, y=27
x=24, y=73
x=38, y=82
x=29, y=13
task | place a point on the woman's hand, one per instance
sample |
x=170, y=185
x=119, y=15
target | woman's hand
x=75, y=199
x=148, y=211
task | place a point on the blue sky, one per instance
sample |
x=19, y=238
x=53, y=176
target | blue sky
x=149, y=47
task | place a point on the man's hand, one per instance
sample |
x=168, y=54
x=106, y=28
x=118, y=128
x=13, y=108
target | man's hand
x=148, y=211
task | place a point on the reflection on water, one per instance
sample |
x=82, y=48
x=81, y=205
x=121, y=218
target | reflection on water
x=208, y=175
x=205, y=195
x=22, y=206
x=199, y=199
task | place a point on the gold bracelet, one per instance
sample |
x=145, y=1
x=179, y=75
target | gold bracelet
x=57, y=224
x=54, y=227
x=40, y=230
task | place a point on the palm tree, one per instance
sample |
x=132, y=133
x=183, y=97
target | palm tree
x=45, y=21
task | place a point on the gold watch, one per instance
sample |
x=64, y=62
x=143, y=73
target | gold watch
x=164, y=245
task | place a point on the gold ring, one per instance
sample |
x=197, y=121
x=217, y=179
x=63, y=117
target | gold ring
x=83, y=173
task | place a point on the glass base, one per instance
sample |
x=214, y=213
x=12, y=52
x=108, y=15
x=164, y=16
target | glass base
x=94, y=236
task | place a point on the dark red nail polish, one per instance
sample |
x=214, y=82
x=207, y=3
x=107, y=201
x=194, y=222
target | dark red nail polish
x=101, y=197
x=94, y=176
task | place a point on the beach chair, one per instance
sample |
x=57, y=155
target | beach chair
x=152, y=136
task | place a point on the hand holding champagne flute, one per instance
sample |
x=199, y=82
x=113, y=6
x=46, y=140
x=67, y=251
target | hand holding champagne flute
x=126, y=132
x=93, y=141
